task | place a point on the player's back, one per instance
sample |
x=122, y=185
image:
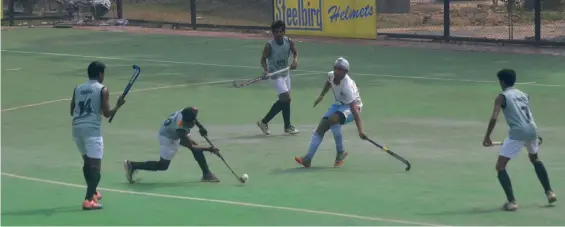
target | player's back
x=88, y=105
x=170, y=125
x=280, y=53
x=518, y=115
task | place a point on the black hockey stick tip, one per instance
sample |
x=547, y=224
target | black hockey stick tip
x=388, y=151
x=240, y=178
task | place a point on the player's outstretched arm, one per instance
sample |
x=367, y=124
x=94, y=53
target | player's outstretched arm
x=355, y=111
x=108, y=111
x=73, y=102
x=294, y=54
x=201, y=129
x=187, y=142
x=325, y=90
x=498, y=103
x=264, y=56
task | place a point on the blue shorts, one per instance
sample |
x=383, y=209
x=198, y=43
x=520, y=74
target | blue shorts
x=344, y=110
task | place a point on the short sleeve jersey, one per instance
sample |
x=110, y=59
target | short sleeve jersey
x=278, y=58
x=346, y=91
x=88, y=105
x=170, y=126
x=518, y=115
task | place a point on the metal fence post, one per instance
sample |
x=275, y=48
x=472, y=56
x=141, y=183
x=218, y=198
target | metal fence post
x=446, y=19
x=193, y=14
x=120, y=8
x=273, y=10
x=11, y=11
x=537, y=20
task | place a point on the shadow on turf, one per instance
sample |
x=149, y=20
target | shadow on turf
x=302, y=170
x=153, y=185
x=471, y=211
x=45, y=212
x=257, y=136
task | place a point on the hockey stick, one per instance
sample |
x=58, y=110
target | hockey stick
x=385, y=149
x=257, y=79
x=136, y=71
x=241, y=179
x=500, y=143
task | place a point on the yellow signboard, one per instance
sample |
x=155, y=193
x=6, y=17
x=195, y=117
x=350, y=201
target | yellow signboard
x=331, y=18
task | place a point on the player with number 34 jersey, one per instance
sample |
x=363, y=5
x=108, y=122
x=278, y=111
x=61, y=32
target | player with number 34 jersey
x=90, y=101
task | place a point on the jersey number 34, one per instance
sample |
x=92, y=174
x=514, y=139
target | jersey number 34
x=84, y=107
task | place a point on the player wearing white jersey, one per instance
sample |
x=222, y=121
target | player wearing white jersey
x=90, y=101
x=346, y=109
x=175, y=131
x=275, y=57
x=515, y=105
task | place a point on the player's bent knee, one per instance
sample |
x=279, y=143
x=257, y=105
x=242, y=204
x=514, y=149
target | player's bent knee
x=324, y=126
x=163, y=164
x=501, y=163
x=533, y=158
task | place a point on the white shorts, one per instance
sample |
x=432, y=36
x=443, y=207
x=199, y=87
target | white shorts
x=89, y=142
x=510, y=148
x=281, y=84
x=168, y=147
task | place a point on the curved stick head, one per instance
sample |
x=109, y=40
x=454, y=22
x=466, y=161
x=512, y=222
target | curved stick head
x=136, y=67
x=408, y=167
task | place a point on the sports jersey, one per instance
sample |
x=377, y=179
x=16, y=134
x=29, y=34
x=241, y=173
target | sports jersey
x=170, y=126
x=346, y=91
x=88, y=105
x=518, y=115
x=278, y=59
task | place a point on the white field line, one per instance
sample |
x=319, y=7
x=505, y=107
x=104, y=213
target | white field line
x=351, y=216
x=137, y=90
x=254, y=67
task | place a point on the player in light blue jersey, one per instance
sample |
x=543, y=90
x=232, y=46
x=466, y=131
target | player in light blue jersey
x=89, y=103
x=275, y=57
x=345, y=109
x=515, y=105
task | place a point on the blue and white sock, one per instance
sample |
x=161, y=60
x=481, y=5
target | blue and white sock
x=336, y=130
x=315, y=142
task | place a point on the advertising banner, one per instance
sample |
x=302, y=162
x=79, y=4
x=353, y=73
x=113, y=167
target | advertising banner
x=330, y=18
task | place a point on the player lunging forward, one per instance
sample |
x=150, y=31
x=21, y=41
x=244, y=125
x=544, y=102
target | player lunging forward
x=523, y=133
x=275, y=57
x=90, y=101
x=346, y=109
x=175, y=131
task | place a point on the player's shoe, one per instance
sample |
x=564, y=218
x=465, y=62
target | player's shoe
x=264, y=127
x=210, y=178
x=129, y=171
x=303, y=161
x=291, y=130
x=97, y=196
x=551, y=197
x=91, y=205
x=340, y=158
x=510, y=206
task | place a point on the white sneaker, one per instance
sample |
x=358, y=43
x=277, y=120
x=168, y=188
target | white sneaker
x=551, y=197
x=510, y=206
x=291, y=130
x=264, y=127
